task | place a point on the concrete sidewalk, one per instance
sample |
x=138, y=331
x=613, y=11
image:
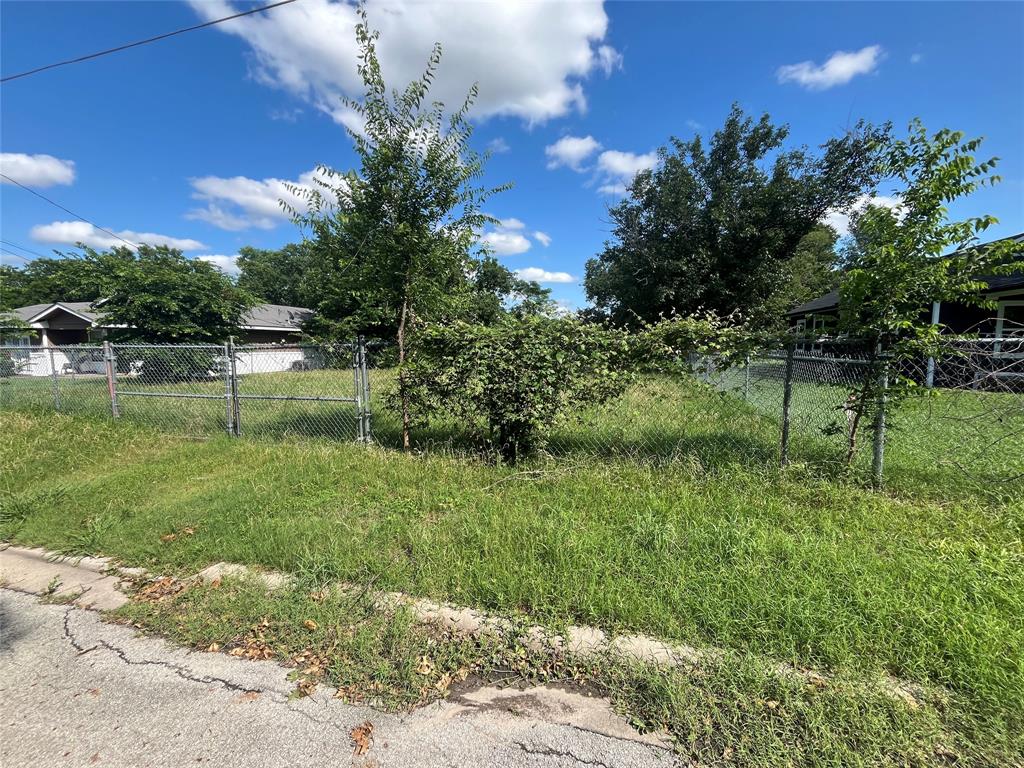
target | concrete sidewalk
x=76, y=691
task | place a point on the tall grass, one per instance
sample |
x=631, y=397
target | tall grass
x=782, y=564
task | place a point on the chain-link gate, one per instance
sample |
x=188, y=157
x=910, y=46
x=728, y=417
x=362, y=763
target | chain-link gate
x=285, y=390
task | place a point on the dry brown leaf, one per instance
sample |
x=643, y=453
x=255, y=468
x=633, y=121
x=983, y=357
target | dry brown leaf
x=213, y=647
x=188, y=530
x=309, y=624
x=424, y=666
x=237, y=652
x=160, y=589
x=249, y=696
x=168, y=537
x=306, y=687
x=362, y=738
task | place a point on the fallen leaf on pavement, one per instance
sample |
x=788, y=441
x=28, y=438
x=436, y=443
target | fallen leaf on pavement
x=362, y=738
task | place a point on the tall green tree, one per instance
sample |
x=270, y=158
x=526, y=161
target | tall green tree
x=902, y=259
x=398, y=234
x=66, y=277
x=276, y=276
x=496, y=290
x=810, y=272
x=712, y=228
x=158, y=296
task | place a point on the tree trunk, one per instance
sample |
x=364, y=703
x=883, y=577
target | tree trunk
x=402, y=388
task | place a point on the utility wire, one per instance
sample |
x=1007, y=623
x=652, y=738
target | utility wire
x=9, y=245
x=126, y=46
x=66, y=210
x=7, y=252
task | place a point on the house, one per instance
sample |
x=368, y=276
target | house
x=820, y=316
x=80, y=322
x=68, y=323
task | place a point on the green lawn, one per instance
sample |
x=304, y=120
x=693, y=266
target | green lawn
x=784, y=566
x=940, y=445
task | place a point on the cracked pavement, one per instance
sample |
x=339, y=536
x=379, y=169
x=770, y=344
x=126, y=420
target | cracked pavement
x=76, y=691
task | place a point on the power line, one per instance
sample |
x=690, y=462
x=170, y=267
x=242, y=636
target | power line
x=9, y=244
x=126, y=46
x=15, y=255
x=66, y=210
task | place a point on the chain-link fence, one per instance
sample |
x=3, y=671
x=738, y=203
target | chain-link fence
x=197, y=390
x=957, y=416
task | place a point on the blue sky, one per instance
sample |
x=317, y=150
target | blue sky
x=187, y=141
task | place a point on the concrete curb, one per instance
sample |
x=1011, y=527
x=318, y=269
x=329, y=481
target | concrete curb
x=578, y=640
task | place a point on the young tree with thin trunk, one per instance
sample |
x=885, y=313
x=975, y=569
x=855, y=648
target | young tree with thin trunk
x=402, y=230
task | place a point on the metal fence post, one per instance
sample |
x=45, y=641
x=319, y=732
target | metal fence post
x=787, y=399
x=56, y=383
x=229, y=400
x=878, y=442
x=111, y=366
x=357, y=379
x=746, y=379
x=236, y=405
x=367, y=412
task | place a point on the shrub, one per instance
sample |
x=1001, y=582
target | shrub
x=515, y=377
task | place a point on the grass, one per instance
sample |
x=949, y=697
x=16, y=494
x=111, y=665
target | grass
x=774, y=565
x=730, y=710
x=947, y=444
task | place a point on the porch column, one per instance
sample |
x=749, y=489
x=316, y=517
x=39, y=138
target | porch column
x=44, y=339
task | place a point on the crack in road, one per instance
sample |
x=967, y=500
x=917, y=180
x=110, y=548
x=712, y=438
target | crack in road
x=558, y=753
x=186, y=674
x=182, y=672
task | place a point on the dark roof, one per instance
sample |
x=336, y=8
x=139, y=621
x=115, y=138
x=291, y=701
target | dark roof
x=830, y=300
x=273, y=316
x=1004, y=282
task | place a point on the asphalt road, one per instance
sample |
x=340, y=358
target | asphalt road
x=76, y=691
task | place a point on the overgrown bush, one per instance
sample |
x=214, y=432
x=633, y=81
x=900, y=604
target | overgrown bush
x=513, y=379
x=673, y=339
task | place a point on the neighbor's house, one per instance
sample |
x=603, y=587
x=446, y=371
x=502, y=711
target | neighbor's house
x=820, y=316
x=66, y=323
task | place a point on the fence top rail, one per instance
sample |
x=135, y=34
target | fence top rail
x=218, y=347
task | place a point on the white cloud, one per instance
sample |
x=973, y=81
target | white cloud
x=625, y=164
x=571, y=152
x=693, y=125
x=511, y=223
x=74, y=232
x=239, y=202
x=616, y=169
x=36, y=170
x=226, y=264
x=542, y=237
x=498, y=146
x=841, y=67
x=530, y=59
x=543, y=276
x=916, y=58
x=608, y=59
x=614, y=189
x=505, y=243
x=840, y=220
